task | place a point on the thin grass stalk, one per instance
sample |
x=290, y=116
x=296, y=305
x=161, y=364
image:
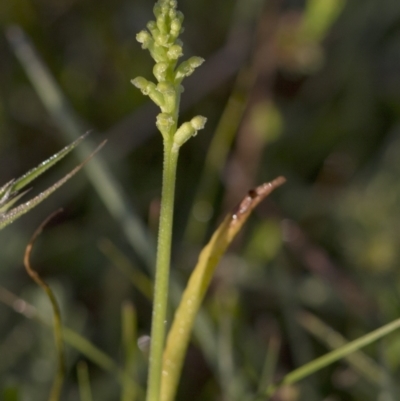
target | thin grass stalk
x=331, y=357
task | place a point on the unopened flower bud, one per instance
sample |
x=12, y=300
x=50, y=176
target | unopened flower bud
x=149, y=88
x=160, y=71
x=187, y=67
x=175, y=52
x=144, y=38
x=198, y=122
x=189, y=129
x=176, y=26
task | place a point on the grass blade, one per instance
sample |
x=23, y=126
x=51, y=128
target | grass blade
x=331, y=357
x=9, y=192
x=179, y=335
x=15, y=213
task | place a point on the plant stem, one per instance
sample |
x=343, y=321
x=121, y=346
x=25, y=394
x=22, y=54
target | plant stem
x=162, y=271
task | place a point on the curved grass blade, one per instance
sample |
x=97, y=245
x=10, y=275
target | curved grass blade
x=57, y=323
x=179, y=334
x=15, y=213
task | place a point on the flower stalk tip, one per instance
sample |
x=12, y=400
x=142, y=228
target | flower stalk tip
x=162, y=40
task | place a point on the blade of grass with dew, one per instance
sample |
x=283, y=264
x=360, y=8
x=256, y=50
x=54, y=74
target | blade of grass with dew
x=9, y=193
x=42, y=167
x=57, y=322
x=331, y=357
x=70, y=125
x=13, y=214
x=179, y=334
x=129, y=341
x=85, y=391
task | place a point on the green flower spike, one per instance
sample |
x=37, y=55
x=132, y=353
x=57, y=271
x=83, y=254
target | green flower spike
x=161, y=39
x=165, y=48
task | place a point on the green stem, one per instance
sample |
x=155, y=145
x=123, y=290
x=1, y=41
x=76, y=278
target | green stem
x=162, y=271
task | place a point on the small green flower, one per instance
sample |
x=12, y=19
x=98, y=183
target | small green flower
x=165, y=48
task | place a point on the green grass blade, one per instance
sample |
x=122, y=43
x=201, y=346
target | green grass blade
x=18, y=211
x=179, y=334
x=45, y=165
x=327, y=359
x=327, y=335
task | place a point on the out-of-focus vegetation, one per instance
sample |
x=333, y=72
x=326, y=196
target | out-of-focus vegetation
x=288, y=90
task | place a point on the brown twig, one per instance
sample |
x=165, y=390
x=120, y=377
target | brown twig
x=57, y=325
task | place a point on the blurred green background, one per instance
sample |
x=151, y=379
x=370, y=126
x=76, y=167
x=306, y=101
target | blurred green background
x=308, y=90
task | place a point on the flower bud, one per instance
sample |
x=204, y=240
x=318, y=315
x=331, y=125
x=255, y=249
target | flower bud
x=149, y=88
x=160, y=71
x=187, y=67
x=189, y=129
x=162, y=39
x=176, y=26
x=141, y=83
x=162, y=23
x=198, y=122
x=174, y=52
x=145, y=39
